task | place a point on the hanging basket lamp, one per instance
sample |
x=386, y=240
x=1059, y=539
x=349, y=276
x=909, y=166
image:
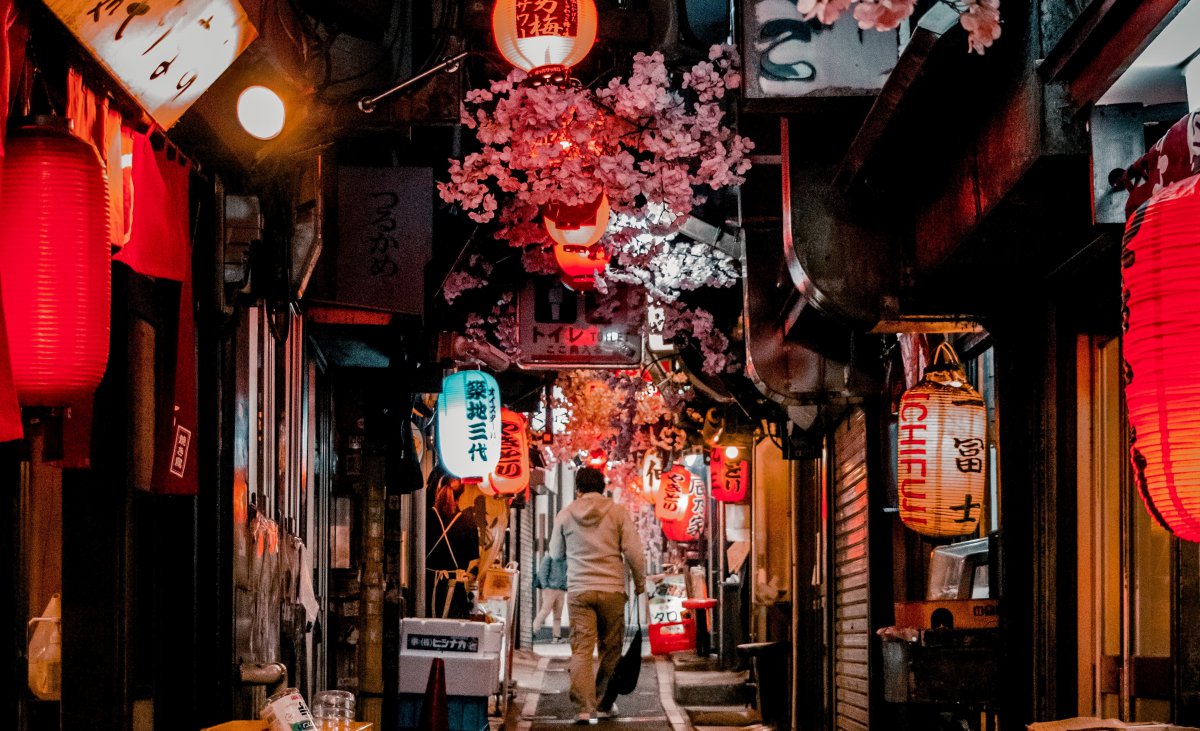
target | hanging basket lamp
x=942, y=451
x=1161, y=264
x=55, y=263
x=545, y=39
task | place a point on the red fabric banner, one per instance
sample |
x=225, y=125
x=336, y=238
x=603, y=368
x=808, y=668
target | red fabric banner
x=177, y=412
x=93, y=120
x=159, y=244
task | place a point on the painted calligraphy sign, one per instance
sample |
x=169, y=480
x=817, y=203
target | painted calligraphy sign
x=511, y=474
x=165, y=53
x=547, y=18
x=730, y=477
x=674, y=492
x=691, y=526
x=469, y=442
x=384, y=241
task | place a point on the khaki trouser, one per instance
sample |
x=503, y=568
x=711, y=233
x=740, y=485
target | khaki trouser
x=596, y=617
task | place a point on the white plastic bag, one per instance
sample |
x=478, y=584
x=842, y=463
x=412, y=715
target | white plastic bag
x=45, y=652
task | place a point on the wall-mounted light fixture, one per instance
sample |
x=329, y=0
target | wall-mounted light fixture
x=261, y=112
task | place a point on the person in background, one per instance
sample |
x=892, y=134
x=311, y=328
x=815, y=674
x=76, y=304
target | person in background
x=451, y=544
x=552, y=580
x=599, y=539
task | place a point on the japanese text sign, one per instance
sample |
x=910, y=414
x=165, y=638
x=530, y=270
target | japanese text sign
x=469, y=442
x=511, y=474
x=674, y=493
x=165, y=53
x=547, y=18
x=730, y=477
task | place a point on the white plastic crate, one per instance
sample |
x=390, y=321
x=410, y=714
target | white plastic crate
x=471, y=651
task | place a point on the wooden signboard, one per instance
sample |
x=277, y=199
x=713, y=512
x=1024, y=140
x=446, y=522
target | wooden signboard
x=164, y=53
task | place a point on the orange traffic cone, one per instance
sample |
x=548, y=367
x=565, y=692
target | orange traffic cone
x=435, y=711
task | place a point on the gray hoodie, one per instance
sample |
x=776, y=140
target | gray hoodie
x=594, y=533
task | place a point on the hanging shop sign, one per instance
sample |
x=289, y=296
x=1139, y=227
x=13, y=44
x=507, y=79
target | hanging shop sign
x=468, y=432
x=511, y=474
x=560, y=328
x=730, y=475
x=55, y=264
x=1161, y=262
x=535, y=35
x=384, y=240
x=674, y=492
x=652, y=467
x=165, y=54
x=691, y=526
x=942, y=451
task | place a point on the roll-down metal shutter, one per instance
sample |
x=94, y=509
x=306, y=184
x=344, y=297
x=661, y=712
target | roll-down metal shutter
x=851, y=622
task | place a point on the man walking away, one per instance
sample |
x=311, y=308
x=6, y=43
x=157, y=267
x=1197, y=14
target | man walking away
x=552, y=580
x=598, y=539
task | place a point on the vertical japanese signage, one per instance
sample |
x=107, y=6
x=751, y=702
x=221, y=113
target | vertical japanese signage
x=468, y=431
x=941, y=458
x=691, y=526
x=674, y=492
x=547, y=18
x=384, y=240
x=730, y=477
x=166, y=53
x=511, y=474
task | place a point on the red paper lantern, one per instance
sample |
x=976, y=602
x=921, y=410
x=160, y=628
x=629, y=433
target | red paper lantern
x=942, y=451
x=691, y=526
x=511, y=474
x=576, y=232
x=1162, y=312
x=730, y=477
x=598, y=459
x=55, y=263
x=544, y=37
x=674, y=492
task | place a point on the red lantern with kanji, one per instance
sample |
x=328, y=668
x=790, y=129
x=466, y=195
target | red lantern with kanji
x=652, y=468
x=1162, y=355
x=730, y=475
x=942, y=451
x=674, y=492
x=691, y=526
x=542, y=37
x=55, y=262
x=511, y=473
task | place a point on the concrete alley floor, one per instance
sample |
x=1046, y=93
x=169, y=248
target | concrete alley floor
x=543, y=702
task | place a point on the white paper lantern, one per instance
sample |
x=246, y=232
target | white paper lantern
x=469, y=424
x=942, y=451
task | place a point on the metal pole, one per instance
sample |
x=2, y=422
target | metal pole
x=367, y=104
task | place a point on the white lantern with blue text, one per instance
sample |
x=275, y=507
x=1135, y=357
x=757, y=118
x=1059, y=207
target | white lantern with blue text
x=469, y=424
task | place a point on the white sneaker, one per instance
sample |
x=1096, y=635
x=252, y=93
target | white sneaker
x=610, y=713
x=584, y=719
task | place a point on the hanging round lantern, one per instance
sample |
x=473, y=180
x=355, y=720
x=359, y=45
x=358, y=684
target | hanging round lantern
x=544, y=39
x=576, y=232
x=942, y=451
x=511, y=474
x=1161, y=264
x=55, y=262
x=691, y=526
x=468, y=424
x=730, y=475
x=674, y=491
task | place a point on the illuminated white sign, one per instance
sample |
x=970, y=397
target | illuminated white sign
x=166, y=53
x=558, y=328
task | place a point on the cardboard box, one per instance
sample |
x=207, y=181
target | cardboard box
x=963, y=613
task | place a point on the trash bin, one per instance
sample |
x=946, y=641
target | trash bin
x=943, y=666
